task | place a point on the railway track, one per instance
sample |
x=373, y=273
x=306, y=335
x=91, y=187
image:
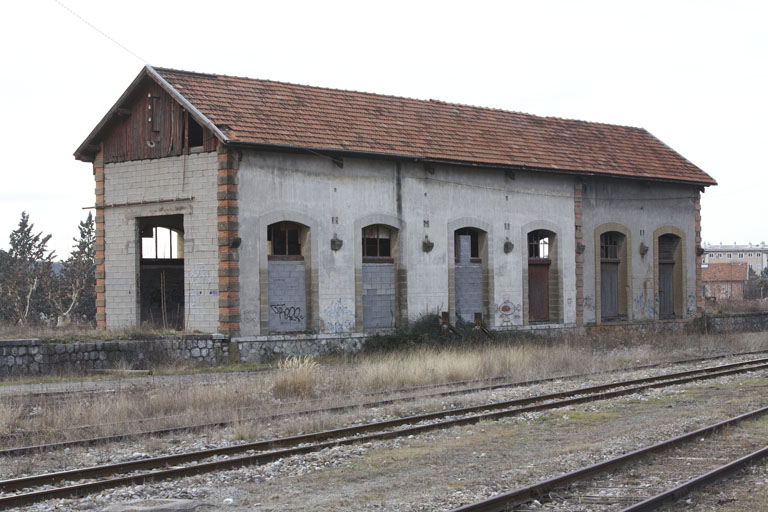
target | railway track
x=645, y=479
x=408, y=394
x=20, y=491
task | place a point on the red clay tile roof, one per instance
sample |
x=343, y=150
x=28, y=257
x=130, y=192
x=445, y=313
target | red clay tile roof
x=725, y=272
x=273, y=113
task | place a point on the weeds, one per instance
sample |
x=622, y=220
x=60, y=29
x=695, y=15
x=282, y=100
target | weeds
x=295, y=377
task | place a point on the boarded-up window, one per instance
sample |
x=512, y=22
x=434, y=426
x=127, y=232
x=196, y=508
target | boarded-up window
x=474, y=244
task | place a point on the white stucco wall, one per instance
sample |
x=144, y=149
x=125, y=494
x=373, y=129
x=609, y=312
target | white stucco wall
x=422, y=202
x=642, y=208
x=331, y=200
x=153, y=180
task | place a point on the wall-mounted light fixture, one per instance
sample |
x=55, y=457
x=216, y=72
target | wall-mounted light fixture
x=508, y=246
x=427, y=244
x=336, y=243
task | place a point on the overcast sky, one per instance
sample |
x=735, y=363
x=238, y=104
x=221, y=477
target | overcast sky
x=693, y=73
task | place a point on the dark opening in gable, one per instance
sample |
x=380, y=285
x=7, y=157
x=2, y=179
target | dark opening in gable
x=195, y=133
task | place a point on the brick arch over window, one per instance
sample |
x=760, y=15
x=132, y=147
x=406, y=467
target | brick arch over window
x=461, y=273
x=279, y=310
x=669, y=272
x=623, y=260
x=549, y=264
x=366, y=266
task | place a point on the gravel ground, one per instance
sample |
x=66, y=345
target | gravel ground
x=435, y=471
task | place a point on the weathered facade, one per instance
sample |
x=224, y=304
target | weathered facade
x=257, y=208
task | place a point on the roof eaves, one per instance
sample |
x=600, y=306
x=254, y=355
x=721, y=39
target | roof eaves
x=326, y=151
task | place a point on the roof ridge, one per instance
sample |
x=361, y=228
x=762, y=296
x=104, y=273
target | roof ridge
x=393, y=96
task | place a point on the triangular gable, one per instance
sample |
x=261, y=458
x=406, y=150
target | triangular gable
x=131, y=124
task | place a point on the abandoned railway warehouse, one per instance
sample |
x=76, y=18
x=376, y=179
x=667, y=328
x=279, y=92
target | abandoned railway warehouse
x=255, y=208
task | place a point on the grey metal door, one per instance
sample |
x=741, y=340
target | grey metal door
x=609, y=290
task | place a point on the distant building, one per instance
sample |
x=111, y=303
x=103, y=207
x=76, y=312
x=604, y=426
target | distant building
x=755, y=256
x=724, y=281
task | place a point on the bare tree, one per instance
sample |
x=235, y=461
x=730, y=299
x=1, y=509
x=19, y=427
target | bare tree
x=71, y=291
x=24, y=269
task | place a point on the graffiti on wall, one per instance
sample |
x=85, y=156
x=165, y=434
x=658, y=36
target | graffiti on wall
x=249, y=316
x=287, y=313
x=645, y=303
x=507, y=312
x=339, y=316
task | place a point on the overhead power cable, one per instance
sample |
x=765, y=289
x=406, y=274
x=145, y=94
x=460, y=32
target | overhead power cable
x=144, y=61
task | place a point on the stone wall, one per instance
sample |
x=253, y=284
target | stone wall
x=263, y=349
x=36, y=357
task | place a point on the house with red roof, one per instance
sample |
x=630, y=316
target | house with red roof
x=265, y=210
x=724, y=281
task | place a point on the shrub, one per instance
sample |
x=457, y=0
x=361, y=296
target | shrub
x=295, y=377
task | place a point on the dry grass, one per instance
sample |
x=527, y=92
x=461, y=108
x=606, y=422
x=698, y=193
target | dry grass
x=295, y=377
x=79, y=333
x=183, y=400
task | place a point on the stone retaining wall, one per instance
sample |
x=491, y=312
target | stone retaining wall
x=36, y=357
x=262, y=349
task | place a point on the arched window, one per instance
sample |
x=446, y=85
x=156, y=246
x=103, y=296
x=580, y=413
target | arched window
x=284, y=239
x=377, y=243
x=161, y=243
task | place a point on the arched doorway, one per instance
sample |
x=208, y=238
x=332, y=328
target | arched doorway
x=161, y=271
x=542, y=294
x=613, y=296
x=470, y=250
x=287, y=287
x=670, y=276
x=378, y=276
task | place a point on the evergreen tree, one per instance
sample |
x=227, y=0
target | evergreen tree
x=24, y=270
